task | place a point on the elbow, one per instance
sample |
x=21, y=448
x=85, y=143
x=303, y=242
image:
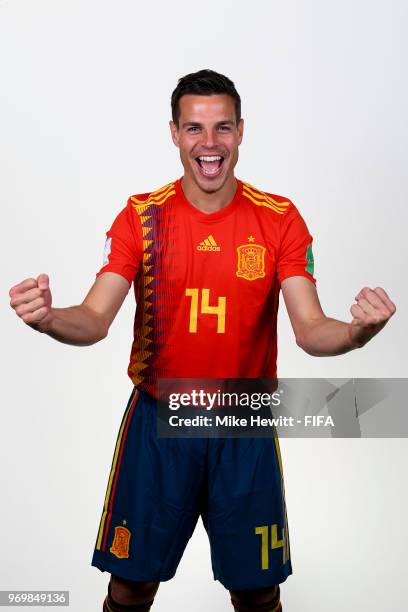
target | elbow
x=300, y=338
x=301, y=344
x=310, y=333
x=103, y=332
x=93, y=338
x=306, y=338
x=97, y=324
x=96, y=332
x=299, y=341
x=97, y=337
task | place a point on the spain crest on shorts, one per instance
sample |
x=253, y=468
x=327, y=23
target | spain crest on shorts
x=251, y=261
x=120, y=545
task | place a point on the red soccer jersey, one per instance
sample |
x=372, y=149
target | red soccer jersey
x=206, y=285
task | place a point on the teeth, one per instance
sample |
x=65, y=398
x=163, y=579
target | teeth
x=210, y=158
x=214, y=171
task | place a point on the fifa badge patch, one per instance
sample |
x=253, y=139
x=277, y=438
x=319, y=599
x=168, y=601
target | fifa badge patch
x=120, y=545
x=310, y=260
x=251, y=260
x=106, y=251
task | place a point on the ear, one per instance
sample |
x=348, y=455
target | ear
x=240, y=130
x=174, y=133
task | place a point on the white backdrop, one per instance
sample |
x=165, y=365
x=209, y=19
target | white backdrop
x=85, y=104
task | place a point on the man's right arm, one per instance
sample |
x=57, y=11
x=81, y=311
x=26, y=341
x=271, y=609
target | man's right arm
x=79, y=325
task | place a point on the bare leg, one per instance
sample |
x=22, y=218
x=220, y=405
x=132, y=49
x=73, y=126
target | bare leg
x=257, y=600
x=129, y=595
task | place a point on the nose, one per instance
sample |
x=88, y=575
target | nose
x=209, y=139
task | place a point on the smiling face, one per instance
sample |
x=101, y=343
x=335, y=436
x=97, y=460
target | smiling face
x=208, y=138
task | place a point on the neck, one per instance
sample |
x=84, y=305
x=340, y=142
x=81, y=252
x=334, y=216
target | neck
x=209, y=202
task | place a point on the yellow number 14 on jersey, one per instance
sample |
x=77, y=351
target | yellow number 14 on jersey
x=205, y=308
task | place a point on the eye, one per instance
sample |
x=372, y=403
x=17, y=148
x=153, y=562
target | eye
x=224, y=128
x=193, y=129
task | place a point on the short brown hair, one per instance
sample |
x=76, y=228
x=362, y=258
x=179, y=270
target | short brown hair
x=204, y=83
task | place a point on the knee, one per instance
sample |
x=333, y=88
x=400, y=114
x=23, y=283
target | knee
x=132, y=593
x=257, y=600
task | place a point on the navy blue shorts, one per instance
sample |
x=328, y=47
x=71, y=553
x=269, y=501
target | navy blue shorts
x=159, y=487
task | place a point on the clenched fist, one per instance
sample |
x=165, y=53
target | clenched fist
x=31, y=299
x=371, y=312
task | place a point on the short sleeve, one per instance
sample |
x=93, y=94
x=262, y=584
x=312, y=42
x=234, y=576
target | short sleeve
x=124, y=245
x=295, y=254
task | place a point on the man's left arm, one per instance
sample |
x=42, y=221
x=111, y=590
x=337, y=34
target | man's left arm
x=320, y=335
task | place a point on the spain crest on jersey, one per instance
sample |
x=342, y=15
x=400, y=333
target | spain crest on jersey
x=120, y=545
x=251, y=261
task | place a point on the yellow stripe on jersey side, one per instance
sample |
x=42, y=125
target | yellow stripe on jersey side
x=262, y=199
x=261, y=195
x=286, y=545
x=278, y=454
x=113, y=469
x=157, y=197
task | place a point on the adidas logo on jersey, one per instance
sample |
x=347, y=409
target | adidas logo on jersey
x=208, y=244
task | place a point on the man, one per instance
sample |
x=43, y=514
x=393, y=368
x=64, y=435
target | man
x=208, y=255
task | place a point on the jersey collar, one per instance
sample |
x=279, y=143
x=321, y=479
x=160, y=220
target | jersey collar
x=202, y=216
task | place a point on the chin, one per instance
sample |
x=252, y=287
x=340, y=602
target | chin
x=209, y=185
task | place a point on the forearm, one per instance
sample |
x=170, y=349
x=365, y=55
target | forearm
x=326, y=337
x=76, y=325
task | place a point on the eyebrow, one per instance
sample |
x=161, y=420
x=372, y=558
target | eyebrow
x=197, y=124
